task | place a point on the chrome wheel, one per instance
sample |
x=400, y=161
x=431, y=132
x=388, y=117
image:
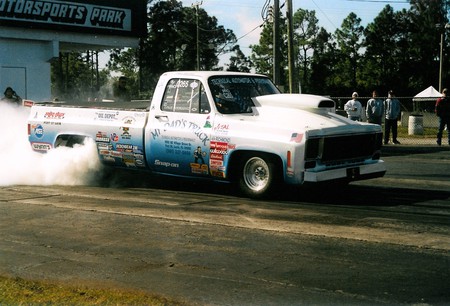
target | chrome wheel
x=256, y=174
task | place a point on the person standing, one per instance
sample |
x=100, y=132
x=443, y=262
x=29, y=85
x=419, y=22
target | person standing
x=353, y=108
x=11, y=96
x=443, y=112
x=374, y=109
x=392, y=111
x=120, y=91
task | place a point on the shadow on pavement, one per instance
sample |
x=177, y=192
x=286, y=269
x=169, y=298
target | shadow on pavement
x=329, y=194
x=399, y=150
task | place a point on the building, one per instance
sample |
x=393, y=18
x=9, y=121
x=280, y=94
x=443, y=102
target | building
x=34, y=32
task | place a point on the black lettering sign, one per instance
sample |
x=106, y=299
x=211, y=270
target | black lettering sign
x=106, y=17
x=67, y=13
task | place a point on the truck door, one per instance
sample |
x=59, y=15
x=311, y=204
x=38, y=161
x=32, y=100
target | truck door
x=178, y=133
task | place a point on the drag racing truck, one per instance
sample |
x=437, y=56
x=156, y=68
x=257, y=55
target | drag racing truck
x=223, y=126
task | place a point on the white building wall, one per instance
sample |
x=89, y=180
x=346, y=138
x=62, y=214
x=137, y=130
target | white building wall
x=25, y=66
x=33, y=32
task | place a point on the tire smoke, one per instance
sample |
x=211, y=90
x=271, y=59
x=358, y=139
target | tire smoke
x=20, y=165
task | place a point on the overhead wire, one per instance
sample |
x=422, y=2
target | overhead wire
x=265, y=13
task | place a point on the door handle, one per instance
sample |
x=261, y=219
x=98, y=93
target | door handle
x=162, y=117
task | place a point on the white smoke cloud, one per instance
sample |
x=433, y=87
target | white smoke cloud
x=22, y=166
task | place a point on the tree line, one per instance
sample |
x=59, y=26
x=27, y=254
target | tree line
x=399, y=50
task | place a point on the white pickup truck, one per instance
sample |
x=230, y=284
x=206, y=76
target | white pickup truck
x=224, y=126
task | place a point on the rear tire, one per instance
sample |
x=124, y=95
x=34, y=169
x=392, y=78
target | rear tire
x=69, y=141
x=257, y=176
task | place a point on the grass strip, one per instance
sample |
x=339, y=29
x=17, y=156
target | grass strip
x=18, y=291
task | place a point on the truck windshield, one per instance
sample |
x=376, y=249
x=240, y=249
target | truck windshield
x=233, y=94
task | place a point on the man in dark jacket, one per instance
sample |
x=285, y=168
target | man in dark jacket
x=443, y=112
x=375, y=109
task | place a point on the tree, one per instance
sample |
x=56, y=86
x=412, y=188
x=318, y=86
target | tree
x=75, y=76
x=239, y=62
x=323, y=65
x=262, y=53
x=349, y=40
x=306, y=31
x=172, y=42
x=382, y=57
x=427, y=20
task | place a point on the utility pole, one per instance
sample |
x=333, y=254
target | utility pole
x=441, y=60
x=441, y=54
x=276, y=43
x=196, y=5
x=291, y=55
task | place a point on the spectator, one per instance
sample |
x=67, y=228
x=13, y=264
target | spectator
x=374, y=109
x=443, y=112
x=120, y=91
x=11, y=96
x=353, y=108
x=392, y=111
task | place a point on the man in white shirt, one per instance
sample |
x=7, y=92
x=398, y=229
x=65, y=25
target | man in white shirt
x=353, y=108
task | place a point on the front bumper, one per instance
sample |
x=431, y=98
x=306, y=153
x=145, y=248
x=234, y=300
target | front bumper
x=356, y=173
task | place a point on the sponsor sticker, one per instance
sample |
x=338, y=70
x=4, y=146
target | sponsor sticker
x=41, y=146
x=38, y=131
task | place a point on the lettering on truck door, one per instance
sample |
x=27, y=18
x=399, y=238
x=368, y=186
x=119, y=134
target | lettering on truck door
x=179, y=138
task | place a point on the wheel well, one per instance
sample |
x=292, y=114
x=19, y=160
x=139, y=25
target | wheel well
x=69, y=140
x=235, y=162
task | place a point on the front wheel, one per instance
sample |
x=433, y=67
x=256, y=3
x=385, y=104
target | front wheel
x=258, y=176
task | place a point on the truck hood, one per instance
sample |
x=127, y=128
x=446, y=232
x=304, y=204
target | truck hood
x=301, y=113
x=312, y=103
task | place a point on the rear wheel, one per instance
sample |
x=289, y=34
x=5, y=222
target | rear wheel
x=257, y=176
x=69, y=141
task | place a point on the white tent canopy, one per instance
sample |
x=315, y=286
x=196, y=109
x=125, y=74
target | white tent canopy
x=424, y=101
x=428, y=94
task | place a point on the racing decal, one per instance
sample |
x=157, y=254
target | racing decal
x=38, y=130
x=180, y=145
x=184, y=144
x=28, y=103
x=101, y=137
x=106, y=116
x=199, y=156
x=108, y=159
x=115, y=153
x=188, y=125
x=207, y=124
x=166, y=164
x=104, y=146
x=199, y=166
x=114, y=137
x=128, y=160
x=51, y=123
x=296, y=137
x=129, y=120
x=218, y=149
x=139, y=160
x=123, y=154
x=124, y=147
x=199, y=169
x=41, y=146
x=125, y=133
x=54, y=115
x=221, y=129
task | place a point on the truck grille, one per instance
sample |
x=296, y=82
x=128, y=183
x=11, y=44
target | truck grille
x=337, y=150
